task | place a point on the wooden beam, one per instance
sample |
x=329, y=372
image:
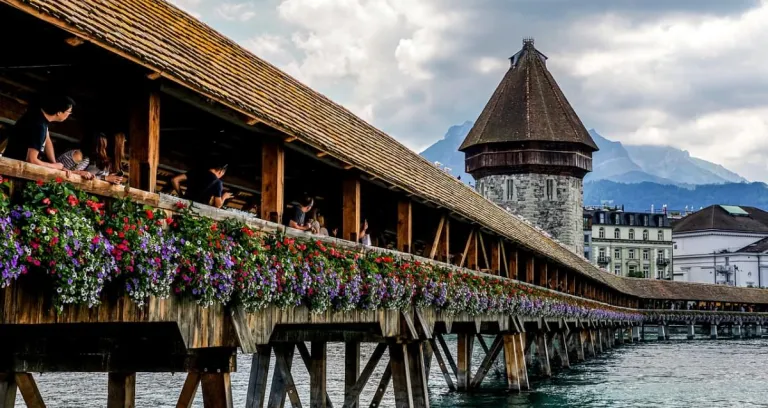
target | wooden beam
x=321, y=154
x=496, y=256
x=465, y=347
x=554, y=277
x=189, y=390
x=144, y=138
x=272, y=182
x=217, y=390
x=441, y=363
x=352, y=371
x=280, y=382
x=75, y=41
x=350, y=209
x=529, y=268
x=252, y=121
x=7, y=390
x=352, y=393
x=447, y=353
x=481, y=242
x=443, y=247
x=401, y=375
x=572, y=284
x=504, y=260
x=121, y=390
x=404, y=225
x=513, y=264
x=29, y=391
x=436, y=240
x=290, y=139
x=418, y=373
x=466, y=249
x=154, y=76
x=317, y=375
x=471, y=251
x=348, y=167
x=490, y=358
x=543, y=281
x=382, y=387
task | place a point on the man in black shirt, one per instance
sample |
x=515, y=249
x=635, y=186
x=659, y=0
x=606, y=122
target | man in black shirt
x=298, y=220
x=29, y=136
x=204, y=184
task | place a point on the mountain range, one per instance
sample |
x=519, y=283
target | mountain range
x=636, y=176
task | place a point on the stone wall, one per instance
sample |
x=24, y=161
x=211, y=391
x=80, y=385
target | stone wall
x=561, y=214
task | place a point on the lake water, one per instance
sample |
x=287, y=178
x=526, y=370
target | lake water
x=676, y=373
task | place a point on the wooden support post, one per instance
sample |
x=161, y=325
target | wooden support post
x=543, y=273
x=121, y=390
x=350, y=224
x=7, y=391
x=441, y=363
x=352, y=369
x=466, y=342
x=471, y=251
x=490, y=358
x=511, y=363
x=554, y=278
x=513, y=265
x=257, y=383
x=529, y=268
x=382, y=388
x=401, y=375
x=352, y=394
x=431, y=251
x=144, y=138
x=272, y=182
x=317, y=375
x=31, y=395
x=589, y=343
x=443, y=246
x=572, y=285
x=496, y=256
x=280, y=383
x=217, y=390
x=542, y=354
x=404, y=225
x=562, y=349
x=481, y=244
x=418, y=373
x=189, y=390
x=448, y=356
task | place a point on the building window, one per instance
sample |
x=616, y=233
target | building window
x=646, y=271
x=586, y=239
x=646, y=254
x=601, y=218
x=617, y=219
x=617, y=253
x=601, y=253
x=632, y=270
x=551, y=191
x=645, y=235
x=661, y=235
x=631, y=219
x=617, y=233
x=617, y=269
x=510, y=189
x=645, y=220
x=660, y=254
x=601, y=232
x=631, y=234
x=631, y=254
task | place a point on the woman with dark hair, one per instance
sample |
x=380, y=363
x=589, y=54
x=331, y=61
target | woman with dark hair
x=98, y=163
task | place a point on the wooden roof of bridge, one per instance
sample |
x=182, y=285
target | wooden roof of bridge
x=185, y=51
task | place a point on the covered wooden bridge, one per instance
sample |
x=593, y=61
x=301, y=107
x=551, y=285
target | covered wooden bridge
x=183, y=94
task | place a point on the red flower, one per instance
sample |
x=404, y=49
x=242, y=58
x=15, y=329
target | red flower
x=180, y=205
x=72, y=200
x=150, y=214
x=121, y=234
x=50, y=211
x=40, y=182
x=59, y=180
x=214, y=227
x=109, y=231
x=47, y=201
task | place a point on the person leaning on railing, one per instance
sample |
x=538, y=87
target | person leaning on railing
x=98, y=163
x=30, y=137
x=204, y=185
x=299, y=218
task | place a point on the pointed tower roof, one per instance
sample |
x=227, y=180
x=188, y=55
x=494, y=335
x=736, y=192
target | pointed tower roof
x=527, y=106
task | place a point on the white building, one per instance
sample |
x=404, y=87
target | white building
x=722, y=244
x=629, y=243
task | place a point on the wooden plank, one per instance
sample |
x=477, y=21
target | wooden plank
x=352, y=394
x=404, y=225
x=306, y=358
x=279, y=382
x=410, y=327
x=352, y=370
x=189, y=390
x=542, y=354
x=443, y=247
x=7, y=390
x=543, y=273
x=257, y=383
x=522, y=368
x=217, y=390
x=29, y=391
x=317, y=375
x=121, y=390
x=436, y=240
x=382, y=387
x=418, y=373
x=481, y=243
x=510, y=362
x=144, y=138
x=272, y=182
x=513, y=265
x=496, y=256
x=423, y=324
x=401, y=375
x=472, y=252
x=350, y=209
x=554, y=278
x=505, y=262
x=572, y=285
x=487, y=363
x=529, y=268
x=448, y=355
x=482, y=342
x=441, y=363
x=465, y=347
x=466, y=249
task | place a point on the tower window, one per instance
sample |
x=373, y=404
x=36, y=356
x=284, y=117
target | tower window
x=601, y=233
x=551, y=192
x=631, y=234
x=617, y=233
x=510, y=189
x=661, y=235
x=645, y=235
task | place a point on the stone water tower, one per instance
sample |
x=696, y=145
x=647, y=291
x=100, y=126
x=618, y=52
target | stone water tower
x=529, y=152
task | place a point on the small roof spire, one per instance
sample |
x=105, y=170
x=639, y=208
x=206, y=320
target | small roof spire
x=528, y=42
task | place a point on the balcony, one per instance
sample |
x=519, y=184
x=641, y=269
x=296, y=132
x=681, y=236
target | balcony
x=662, y=261
x=603, y=260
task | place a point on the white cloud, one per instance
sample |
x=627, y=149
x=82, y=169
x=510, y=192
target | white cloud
x=236, y=11
x=190, y=6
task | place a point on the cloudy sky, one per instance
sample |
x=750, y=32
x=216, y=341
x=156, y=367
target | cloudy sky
x=687, y=73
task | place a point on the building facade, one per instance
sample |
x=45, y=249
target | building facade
x=529, y=152
x=631, y=244
x=722, y=244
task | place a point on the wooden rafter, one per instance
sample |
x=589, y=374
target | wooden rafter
x=482, y=246
x=436, y=241
x=466, y=248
